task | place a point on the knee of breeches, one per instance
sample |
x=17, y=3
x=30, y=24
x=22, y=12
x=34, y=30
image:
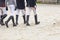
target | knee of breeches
x=17, y=14
x=27, y=14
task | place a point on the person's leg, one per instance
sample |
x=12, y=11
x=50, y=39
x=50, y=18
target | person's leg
x=12, y=7
x=13, y=21
x=35, y=15
x=17, y=15
x=1, y=9
x=28, y=10
x=11, y=17
x=2, y=23
x=4, y=14
x=24, y=15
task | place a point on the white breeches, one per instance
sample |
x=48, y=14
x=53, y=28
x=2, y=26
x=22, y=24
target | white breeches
x=3, y=10
x=12, y=10
x=28, y=10
x=22, y=11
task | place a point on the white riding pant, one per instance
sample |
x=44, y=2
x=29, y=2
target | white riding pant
x=3, y=10
x=20, y=10
x=12, y=9
x=29, y=9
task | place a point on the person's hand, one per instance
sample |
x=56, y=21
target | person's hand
x=6, y=8
x=15, y=7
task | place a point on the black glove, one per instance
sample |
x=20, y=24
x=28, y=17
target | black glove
x=6, y=8
x=15, y=8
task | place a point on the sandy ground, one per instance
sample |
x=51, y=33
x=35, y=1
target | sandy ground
x=48, y=29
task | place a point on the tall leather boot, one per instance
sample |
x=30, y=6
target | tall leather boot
x=24, y=19
x=2, y=23
x=36, y=21
x=27, y=21
x=2, y=18
x=17, y=19
x=13, y=21
x=6, y=22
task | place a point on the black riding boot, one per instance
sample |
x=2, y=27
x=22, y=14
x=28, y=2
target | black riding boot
x=27, y=21
x=8, y=21
x=2, y=18
x=24, y=19
x=13, y=21
x=16, y=19
x=36, y=21
x=11, y=17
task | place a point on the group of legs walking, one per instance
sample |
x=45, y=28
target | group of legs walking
x=18, y=6
x=26, y=15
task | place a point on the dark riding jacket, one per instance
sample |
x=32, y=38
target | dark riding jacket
x=20, y=4
x=31, y=3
